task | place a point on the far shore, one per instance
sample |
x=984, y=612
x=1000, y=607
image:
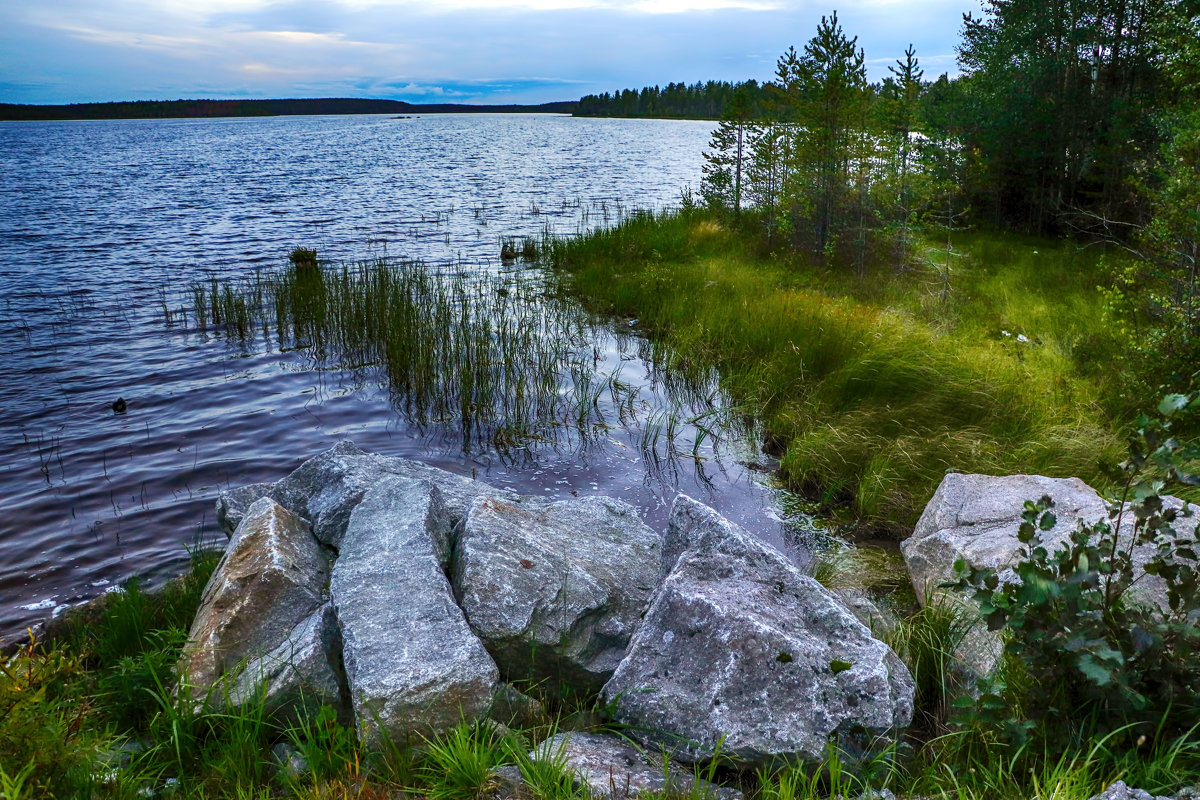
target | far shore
x=200, y=109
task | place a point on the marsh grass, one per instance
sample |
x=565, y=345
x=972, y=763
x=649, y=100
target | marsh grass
x=547, y=776
x=948, y=769
x=500, y=362
x=930, y=642
x=329, y=749
x=460, y=764
x=877, y=386
x=831, y=778
x=487, y=359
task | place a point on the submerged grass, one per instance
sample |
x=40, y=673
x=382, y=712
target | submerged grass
x=499, y=362
x=875, y=387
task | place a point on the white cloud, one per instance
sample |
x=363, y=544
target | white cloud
x=464, y=49
x=516, y=6
x=685, y=6
x=416, y=89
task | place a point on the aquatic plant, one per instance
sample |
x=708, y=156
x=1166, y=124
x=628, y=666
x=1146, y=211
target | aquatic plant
x=502, y=362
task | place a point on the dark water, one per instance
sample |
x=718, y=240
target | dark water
x=98, y=218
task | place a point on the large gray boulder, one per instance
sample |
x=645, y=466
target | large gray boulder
x=1118, y=790
x=976, y=518
x=299, y=676
x=555, y=591
x=610, y=767
x=270, y=579
x=326, y=488
x=741, y=650
x=413, y=666
x=690, y=524
x=232, y=504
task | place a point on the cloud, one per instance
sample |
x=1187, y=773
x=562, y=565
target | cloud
x=416, y=90
x=469, y=50
x=686, y=6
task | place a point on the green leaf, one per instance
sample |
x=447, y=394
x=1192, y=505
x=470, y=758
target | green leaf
x=1096, y=672
x=1047, y=521
x=1173, y=404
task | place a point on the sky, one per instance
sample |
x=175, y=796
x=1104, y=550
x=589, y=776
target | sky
x=456, y=51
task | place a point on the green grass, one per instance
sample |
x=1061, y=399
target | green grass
x=877, y=386
x=929, y=642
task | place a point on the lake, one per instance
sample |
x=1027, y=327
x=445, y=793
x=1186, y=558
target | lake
x=101, y=221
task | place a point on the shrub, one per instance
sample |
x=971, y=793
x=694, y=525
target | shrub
x=1098, y=659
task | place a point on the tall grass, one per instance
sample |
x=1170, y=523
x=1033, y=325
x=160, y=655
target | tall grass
x=460, y=763
x=500, y=362
x=487, y=359
x=877, y=386
x=930, y=642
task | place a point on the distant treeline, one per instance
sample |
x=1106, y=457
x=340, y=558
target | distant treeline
x=747, y=100
x=161, y=109
x=709, y=100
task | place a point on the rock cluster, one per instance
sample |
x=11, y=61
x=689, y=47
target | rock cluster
x=406, y=597
x=411, y=599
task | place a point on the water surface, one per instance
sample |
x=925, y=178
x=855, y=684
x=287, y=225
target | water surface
x=100, y=220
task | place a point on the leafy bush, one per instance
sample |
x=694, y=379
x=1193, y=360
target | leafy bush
x=42, y=740
x=1098, y=657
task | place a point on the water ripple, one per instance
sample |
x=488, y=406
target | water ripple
x=96, y=217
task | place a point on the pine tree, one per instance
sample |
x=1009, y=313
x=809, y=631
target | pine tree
x=721, y=186
x=902, y=106
x=727, y=154
x=826, y=85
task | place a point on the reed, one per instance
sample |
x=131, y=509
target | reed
x=501, y=362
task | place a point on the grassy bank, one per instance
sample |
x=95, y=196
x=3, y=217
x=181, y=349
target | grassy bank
x=993, y=357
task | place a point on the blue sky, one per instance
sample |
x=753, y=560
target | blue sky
x=468, y=51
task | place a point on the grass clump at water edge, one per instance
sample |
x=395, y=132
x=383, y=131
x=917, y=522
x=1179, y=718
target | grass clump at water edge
x=502, y=362
x=498, y=363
